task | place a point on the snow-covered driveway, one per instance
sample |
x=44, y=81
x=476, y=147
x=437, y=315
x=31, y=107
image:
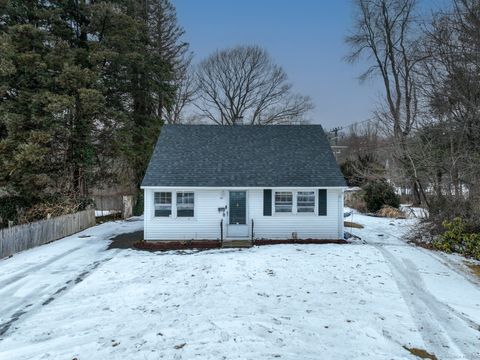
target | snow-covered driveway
x=440, y=293
x=34, y=278
x=74, y=299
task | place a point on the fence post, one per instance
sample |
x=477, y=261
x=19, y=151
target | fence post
x=127, y=206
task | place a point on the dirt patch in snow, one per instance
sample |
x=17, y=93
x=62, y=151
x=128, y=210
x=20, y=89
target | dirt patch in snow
x=351, y=224
x=423, y=354
x=135, y=240
x=126, y=241
x=177, y=245
x=475, y=268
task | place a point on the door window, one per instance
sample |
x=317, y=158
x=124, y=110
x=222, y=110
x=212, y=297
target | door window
x=238, y=207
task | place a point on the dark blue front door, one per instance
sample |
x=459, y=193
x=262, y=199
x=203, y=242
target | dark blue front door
x=238, y=207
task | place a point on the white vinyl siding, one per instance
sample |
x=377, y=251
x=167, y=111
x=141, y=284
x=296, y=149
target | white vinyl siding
x=205, y=224
x=208, y=212
x=305, y=225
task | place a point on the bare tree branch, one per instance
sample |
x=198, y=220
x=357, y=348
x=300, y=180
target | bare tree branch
x=385, y=33
x=243, y=85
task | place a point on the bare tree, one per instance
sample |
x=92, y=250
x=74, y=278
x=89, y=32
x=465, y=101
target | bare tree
x=244, y=85
x=185, y=90
x=385, y=33
x=451, y=84
x=366, y=153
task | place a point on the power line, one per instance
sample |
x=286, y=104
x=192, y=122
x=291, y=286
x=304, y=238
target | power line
x=355, y=123
x=337, y=129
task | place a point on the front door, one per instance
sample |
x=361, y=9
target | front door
x=237, y=214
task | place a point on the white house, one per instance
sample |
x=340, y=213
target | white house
x=207, y=182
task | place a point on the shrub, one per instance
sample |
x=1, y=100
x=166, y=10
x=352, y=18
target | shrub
x=356, y=201
x=10, y=207
x=457, y=238
x=21, y=210
x=471, y=244
x=54, y=205
x=446, y=208
x=378, y=194
x=391, y=212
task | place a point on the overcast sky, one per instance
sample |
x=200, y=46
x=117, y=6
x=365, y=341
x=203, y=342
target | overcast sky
x=305, y=37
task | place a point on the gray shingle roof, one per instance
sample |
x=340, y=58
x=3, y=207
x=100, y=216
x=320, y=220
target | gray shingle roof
x=250, y=156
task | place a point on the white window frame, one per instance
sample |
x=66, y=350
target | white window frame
x=162, y=205
x=185, y=206
x=313, y=207
x=295, y=203
x=275, y=202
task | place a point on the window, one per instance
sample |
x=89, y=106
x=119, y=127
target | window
x=306, y=201
x=163, y=204
x=283, y=202
x=185, y=202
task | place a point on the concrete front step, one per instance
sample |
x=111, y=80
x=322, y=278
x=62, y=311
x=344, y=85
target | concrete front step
x=237, y=243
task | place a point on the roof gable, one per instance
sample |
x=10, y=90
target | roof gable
x=236, y=156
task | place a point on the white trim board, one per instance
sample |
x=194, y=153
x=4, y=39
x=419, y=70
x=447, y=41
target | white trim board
x=242, y=187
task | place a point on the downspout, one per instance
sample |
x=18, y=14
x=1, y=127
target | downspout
x=253, y=223
x=221, y=232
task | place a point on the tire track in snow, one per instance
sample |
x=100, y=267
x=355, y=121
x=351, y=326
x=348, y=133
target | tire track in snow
x=446, y=333
x=437, y=255
x=17, y=280
x=28, y=307
x=21, y=274
x=452, y=265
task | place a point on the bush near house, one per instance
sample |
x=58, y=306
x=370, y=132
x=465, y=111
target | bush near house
x=377, y=194
x=356, y=201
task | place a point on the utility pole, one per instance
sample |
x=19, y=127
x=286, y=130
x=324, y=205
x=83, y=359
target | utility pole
x=335, y=131
x=335, y=148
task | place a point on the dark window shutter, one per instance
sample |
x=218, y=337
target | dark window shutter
x=267, y=202
x=322, y=202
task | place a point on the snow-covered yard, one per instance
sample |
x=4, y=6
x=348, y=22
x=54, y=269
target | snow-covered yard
x=371, y=299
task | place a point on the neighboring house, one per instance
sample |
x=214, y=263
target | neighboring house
x=262, y=182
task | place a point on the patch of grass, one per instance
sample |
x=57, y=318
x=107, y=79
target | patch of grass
x=420, y=353
x=475, y=268
x=391, y=212
x=353, y=225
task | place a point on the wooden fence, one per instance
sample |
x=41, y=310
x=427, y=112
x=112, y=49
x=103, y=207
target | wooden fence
x=108, y=202
x=122, y=204
x=23, y=237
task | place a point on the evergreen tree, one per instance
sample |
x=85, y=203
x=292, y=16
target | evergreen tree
x=82, y=87
x=28, y=102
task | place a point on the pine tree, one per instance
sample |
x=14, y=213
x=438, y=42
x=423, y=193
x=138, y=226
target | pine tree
x=82, y=85
x=159, y=55
x=27, y=100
